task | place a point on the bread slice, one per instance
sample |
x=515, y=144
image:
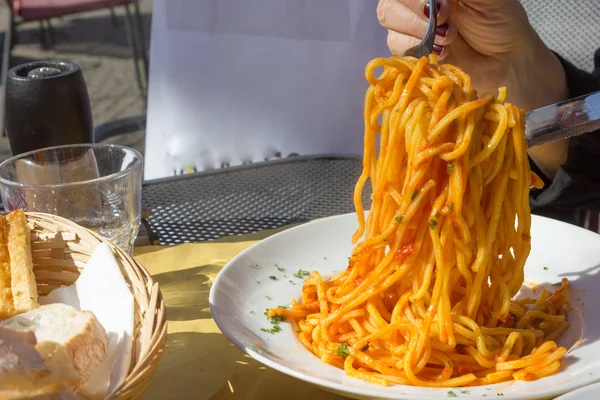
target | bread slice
x=24, y=288
x=78, y=333
x=7, y=308
x=51, y=391
x=18, y=356
x=28, y=371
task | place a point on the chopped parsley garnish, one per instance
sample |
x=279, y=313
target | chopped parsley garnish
x=432, y=224
x=273, y=278
x=464, y=391
x=451, y=394
x=280, y=269
x=436, y=215
x=450, y=167
x=273, y=330
x=414, y=195
x=292, y=282
x=557, y=284
x=325, y=258
x=399, y=219
x=342, y=350
x=274, y=320
x=257, y=281
x=268, y=298
x=252, y=312
x=365, y=348
x=301, y=273
x=513, y=316
x=500, y=394
x=545, y=268
x=451, y=208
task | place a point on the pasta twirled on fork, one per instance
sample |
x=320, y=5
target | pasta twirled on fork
x=427, y=297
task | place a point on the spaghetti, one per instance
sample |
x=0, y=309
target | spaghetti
x=426, y=299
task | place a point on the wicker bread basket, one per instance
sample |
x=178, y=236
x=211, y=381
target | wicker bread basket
x=61, y=248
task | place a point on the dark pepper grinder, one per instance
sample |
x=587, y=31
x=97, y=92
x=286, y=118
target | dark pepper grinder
x=47, y=104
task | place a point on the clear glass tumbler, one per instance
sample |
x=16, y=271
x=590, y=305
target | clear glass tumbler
x=98, y=186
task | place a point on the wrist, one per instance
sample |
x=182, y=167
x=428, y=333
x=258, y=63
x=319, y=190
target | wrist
x=537, y=77
x=538, y=80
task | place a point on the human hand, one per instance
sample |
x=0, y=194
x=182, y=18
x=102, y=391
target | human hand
x=491, y=40
x=494, y=43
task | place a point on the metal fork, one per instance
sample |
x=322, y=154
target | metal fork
x=425, y=48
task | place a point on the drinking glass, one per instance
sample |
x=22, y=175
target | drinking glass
x=97, y=186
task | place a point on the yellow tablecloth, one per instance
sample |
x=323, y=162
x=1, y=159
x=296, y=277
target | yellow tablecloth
x=199, y=361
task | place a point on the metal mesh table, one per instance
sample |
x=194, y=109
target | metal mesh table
x=240, y=200
x=568, y=27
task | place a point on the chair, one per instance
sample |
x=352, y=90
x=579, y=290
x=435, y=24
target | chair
x=42, y=10
x=24, y=11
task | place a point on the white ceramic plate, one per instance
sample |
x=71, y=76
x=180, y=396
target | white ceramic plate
x=590, y=392
x=245, y=288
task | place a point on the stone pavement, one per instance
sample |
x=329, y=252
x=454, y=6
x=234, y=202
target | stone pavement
x=101, y=47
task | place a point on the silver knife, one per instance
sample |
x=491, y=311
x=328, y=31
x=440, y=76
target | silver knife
x=563, y=120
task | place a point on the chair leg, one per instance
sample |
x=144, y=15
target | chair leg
x=43, y=36
x=6, y=65
x=113, y=17
x=142, y=38
x=51, y=37
x=133, y=45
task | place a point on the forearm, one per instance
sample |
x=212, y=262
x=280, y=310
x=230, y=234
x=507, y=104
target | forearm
x=541, y=81
x=576, y=183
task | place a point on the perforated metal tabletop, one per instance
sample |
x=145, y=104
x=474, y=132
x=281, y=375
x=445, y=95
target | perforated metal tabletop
x=247, y=199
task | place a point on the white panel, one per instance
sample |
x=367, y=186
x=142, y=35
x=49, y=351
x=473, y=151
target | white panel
x=235, y=81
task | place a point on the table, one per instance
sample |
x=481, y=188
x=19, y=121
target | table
x=236, y=206
x=246, y=199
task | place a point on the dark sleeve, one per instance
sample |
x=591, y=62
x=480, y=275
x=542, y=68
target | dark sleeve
x=577, y=182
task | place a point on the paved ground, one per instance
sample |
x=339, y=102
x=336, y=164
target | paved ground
x=101, y=48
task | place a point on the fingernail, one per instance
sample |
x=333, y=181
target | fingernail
x=427, y=9
x=442, y=30
x=437, y=50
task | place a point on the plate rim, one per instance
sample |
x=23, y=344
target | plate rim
x=334, y=387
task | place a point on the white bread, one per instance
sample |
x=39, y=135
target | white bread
x=7, y=308
x=18, y=356
x=82, y=341
x=24, y=287
x=28, y=373
x=53, y=391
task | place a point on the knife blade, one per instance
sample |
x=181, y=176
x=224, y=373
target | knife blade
x=563, y=120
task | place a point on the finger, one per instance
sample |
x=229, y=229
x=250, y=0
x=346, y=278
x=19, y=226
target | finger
x=398, y=43
x=398, y=17
x=388, y=11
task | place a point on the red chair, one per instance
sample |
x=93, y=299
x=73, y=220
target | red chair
x=42, y=10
